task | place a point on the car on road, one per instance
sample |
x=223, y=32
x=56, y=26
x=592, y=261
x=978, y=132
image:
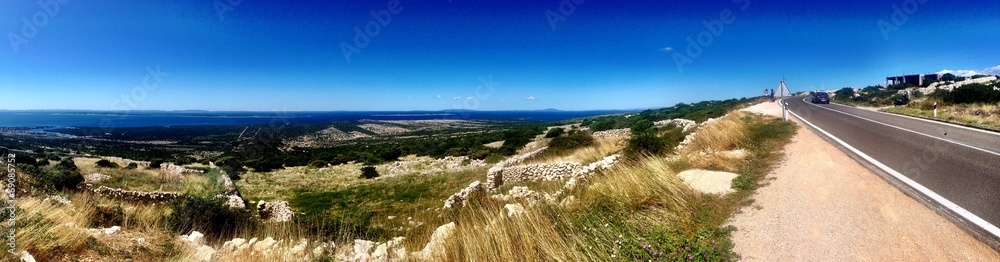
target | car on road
x=821, y=98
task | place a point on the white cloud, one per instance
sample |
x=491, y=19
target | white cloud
x=668, y=49
x=967, y=73
x=992, y=70
x=469, y=98
x=439, y=96
x=457, y=98
x=530, y=98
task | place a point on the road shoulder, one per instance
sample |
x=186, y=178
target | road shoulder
x=820, y=204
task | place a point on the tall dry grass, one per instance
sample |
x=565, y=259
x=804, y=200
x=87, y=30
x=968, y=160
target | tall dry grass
x=634, y=185
x=706, y=151
x=601, y=148
x=487, y=233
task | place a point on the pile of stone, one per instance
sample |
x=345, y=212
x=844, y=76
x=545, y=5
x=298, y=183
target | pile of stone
x=125, y=162
x=275, y=211
x=459, y=199
x=613, y=133
x=138, y=196
x=58, y=199
x=196, y=240
x=94, y=178
x=271, y=249
x=685, y=124
x=511, y=161
x=179, y=170
x=521, y=193
x=536, y=172
x=230, y=194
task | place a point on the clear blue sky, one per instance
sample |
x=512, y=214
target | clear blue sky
x=279, y=55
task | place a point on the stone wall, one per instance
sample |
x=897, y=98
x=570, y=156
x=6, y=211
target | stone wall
x=612, y=133
x=178, y=170
x=129, y=195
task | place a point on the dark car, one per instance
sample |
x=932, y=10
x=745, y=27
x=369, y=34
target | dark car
x=821, y=98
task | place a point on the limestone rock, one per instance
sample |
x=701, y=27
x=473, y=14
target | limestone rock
x=709, y=182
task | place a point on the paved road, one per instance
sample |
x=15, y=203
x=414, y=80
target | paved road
x=955, y=169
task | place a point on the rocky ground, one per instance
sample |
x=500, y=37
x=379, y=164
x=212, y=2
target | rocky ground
x=821, y=205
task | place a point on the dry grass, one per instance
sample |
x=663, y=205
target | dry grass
x=52, y=231
x=280, y=184
x=629, y=186
x=964, y=114
x=487, y=233
x=601, y=148
x=141, y=179
x=706, y=151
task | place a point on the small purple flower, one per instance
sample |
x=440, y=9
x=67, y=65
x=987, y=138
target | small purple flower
x=690, y=257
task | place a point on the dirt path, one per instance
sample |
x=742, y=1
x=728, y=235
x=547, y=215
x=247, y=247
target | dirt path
x=821, y=205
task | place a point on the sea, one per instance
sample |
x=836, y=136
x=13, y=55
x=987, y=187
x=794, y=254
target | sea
x=70, y=118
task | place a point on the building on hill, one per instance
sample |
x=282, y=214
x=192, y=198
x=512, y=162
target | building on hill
x=917, y=80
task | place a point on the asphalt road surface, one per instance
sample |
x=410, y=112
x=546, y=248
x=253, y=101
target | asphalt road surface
x=953, y=169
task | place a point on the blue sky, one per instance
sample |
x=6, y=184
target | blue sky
x=484, y=55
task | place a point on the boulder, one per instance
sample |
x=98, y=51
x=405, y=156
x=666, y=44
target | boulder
x=709, y=182
x=435, y=248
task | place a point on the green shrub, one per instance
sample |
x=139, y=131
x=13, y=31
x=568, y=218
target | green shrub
x=565, y=143
x=107, y=216
x=106, y=164
x=132, y=166
x=317, y=163
x=43, y=162
x=155, y=163
x=972, y=93
x=555, y=132
x=845, y=93
x=63, y=175
x=744, y=182
x=647, y=143
x=494, y=158
x=368, y=172
x=208, y=216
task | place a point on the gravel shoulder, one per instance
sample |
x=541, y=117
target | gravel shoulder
x=821, y=205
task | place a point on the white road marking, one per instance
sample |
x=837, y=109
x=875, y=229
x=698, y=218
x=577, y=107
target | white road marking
x=911, y=131
x=932, y=121
x=913, y=184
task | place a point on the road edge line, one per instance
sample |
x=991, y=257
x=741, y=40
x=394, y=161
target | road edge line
x=933, y=121
x=951, y=206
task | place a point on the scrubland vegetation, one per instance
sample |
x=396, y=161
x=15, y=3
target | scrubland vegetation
x=639, y=209
x=973, y=104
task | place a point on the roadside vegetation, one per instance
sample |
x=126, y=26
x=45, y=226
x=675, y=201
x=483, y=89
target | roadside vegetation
x=975, y=104
x=639, y=209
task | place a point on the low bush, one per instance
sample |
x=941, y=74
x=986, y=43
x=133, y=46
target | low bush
x=62, y=176
x=368, y=172
x=107, y=216
x=208, y=216
x=972, y=93
x=564, y=144
x=555, y=132
x=106, y=164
